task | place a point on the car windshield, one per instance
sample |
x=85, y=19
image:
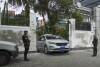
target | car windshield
x=53, y=37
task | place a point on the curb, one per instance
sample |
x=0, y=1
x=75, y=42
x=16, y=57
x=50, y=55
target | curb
x=82, y=48
x=22, y=52
x=71, y=49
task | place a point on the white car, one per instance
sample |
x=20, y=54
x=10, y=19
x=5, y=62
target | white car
x=8, y=50
x=51, y=43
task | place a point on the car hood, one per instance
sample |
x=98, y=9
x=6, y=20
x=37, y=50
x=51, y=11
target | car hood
x=7, y=43
x=58, y=41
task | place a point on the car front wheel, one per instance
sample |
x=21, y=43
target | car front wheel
x=4, y=58
x=66, y=51
x=37, y=49
x=46, y=50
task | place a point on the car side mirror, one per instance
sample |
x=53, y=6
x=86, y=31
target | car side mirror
x=43, y=39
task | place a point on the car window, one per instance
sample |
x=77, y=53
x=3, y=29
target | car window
x=53, y=37
x=41, y=38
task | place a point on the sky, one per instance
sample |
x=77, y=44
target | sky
x=17, y=9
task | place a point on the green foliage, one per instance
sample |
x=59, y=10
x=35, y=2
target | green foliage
x=42, y=6
x=5, y=14
x=62, y=32
x=27, y=4
x=61, y=9
x=54, y=16
x=78, y=16
x=18, y=20
x=54, y=12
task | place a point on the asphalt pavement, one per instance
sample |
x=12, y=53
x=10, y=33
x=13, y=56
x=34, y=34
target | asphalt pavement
x=77, y=58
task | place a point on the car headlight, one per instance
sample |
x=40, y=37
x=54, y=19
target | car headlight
x=51, y=47
x=51, y=43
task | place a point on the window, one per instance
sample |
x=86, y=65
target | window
x=84, y=26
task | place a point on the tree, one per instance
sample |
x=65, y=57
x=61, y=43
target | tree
x=5, y=14
x=41, y=7
x=26, y=3
x=55, y=9
x=78, y=16
x=60, y=10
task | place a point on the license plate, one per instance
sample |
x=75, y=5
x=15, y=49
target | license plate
x=62, y=47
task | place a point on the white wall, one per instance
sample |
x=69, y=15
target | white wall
x=14, y=33
x=81, y=39
x=78, y=38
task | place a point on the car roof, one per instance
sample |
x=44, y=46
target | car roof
x=46, y=34
x=49, y=34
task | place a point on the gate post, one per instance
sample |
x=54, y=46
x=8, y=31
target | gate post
x=71, y=29
x=33, y=31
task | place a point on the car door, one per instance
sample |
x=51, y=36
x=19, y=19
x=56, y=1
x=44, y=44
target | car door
x=41, y=42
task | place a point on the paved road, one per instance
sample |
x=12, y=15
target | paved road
x=79, y=58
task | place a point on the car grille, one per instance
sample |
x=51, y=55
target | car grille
x=61, y=44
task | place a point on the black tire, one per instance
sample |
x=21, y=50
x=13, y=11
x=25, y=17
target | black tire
x=66, y=51
x=4, y=58
x=37, y=49
x=46, y=50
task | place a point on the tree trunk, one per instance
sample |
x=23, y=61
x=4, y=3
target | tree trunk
x=44, y=23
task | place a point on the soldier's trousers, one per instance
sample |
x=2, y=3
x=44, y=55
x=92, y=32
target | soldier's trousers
x=26, y=52
x=94, y=51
